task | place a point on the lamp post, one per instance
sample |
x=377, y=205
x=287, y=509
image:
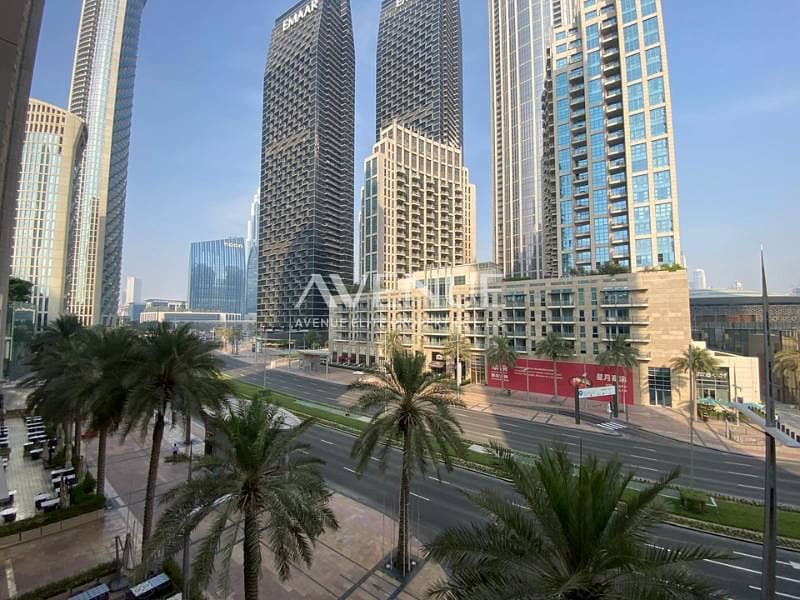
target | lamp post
x=187, y=535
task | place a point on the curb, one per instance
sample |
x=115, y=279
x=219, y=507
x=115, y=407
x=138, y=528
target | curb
x=732, y=533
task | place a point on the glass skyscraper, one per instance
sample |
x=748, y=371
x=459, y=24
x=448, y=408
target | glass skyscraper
x=611, y=187
x=306, y=225
x=519, y=37
x=251, y=257
x=217, y=276
x=51, y=154
x=419, y=69
x=102, y=95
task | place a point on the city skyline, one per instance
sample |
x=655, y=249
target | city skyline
x=703, y=127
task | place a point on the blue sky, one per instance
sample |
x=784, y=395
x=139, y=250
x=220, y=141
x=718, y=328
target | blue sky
x=195, y=147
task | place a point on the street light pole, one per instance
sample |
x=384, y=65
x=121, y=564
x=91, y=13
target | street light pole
x=187, y=537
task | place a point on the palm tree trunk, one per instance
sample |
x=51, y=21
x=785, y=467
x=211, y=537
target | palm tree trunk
x=188, y=430
x=692, y=411
x=250, y=562
x=402, y=561
x=152, y=476
x=76, y=447
x=67, y=428
x=101, y=460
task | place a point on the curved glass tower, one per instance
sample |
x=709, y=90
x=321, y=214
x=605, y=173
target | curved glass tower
x=101, y=94
x=217, y=276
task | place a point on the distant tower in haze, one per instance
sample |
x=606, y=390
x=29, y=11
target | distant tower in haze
x=699, y=280
x=419, y=69
x=133, y=291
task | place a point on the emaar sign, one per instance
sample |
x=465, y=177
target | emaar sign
x=300, y=14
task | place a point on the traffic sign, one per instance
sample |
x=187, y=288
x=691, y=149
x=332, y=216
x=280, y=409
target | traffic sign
x=596, y=392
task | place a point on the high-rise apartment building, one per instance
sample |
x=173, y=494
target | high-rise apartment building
x=251, y=257
x=217, y=276
x=519, y=32
x=51, y=154
x=20, y=21
x=417, y=208
x=419, y=69
x=101, y=94
x=306, y=225
x=610, y=158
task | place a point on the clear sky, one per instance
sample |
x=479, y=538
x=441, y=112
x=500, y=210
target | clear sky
x=195, y=146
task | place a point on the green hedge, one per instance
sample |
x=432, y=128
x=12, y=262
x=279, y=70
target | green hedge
x=693, y=501
x=67, y=584
x=90, y=504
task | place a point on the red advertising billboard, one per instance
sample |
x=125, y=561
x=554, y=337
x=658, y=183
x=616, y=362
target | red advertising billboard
x=536, y=376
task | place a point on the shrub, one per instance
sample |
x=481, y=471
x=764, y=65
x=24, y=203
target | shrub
x=88, y=504
x=67, y=584
x=693, y=501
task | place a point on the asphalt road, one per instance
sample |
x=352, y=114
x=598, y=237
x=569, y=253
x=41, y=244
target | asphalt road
x=649, y=455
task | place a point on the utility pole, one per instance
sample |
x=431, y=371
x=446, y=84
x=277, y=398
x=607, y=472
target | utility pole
x=187, y=538
x=770, y=472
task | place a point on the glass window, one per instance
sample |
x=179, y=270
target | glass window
x=641, y=216
x=597, y=121
x=561, y=48
x=601, y=231
x=659, y=380
x=648, y=7
x=600, y=202
x=664, y=218
x=656, y=88
x=666, y=250
x=563, y=135
x=566, y=186
x=635, y=97
x=641, y=189
x=561, y=62
x=595, y=92
x=566, y=213
x=628, y=11
x=644, y=253
x=566, y=238
x=564, y=160
x=593, y=63
x=660, y=153
x=658, y=121
x=563, y=109
x=562, y=85
x=654, y=60
x=633, y=64
x=593, y=37
x=599, y=174
x=650, y=29
x=662, y=186
x=637, y=127
x=598, y=145
x=631, y=33
x=601, y=255
x=639, y=157
x=561, y=35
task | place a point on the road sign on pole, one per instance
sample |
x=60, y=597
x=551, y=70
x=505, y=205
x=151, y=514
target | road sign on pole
x=596, y=392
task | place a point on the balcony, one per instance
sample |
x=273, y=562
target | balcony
x=615, y=123
x=614, y=94
x=582, y=192
x=579, y=126
x=576, y=100
x=618, y=208
x=609, y=24
x=613, y=80
x=576, y=75
x=582, y=178
x=578, y=114
x=581, y=166
x=581, y=151
x=618, y=192
x=610, y=68
x=620, y=237
x=618, y=224
x=582, y=217
x=611, y=53
x=616, y=150
x=576, y=89
x=633, y=338
x=614, y=109
x=617, y=165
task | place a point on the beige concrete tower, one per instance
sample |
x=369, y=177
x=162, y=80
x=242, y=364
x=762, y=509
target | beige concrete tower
x=52, y=151
x=610, y=150
x=417, y=208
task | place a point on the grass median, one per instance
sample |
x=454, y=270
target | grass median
x=727, y=514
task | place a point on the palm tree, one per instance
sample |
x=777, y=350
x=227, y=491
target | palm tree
x=501, y=353
x=311, y=339
x=787, y=362
x=262, y=488
x=555, y=348
x=458, y=347
x=567, y=534
x=56, y=357
x=176, y=370
x=111, y=356
x=694, y=361
x=619, y=354
x=412, y=408
x=391, y=344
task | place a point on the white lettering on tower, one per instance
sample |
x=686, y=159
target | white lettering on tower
x=300, y=14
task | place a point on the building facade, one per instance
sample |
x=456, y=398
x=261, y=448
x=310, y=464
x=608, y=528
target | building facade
x=51, y=155
x=251, y=257
x=133, y=290
x=306, y=224
x=20, y=21
x=217, y=276
x=519, y=35
x=419, y=69
x=101, y=93
x=417, y=208
x=651, y=309
x=611, y=197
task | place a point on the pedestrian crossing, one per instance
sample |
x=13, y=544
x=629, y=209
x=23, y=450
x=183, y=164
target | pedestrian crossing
x=611, y=426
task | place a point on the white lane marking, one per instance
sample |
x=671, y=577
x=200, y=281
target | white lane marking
x=737, y=464
x=643, y=458
x=751, y=487
x=326, y=442
x=781, y=594
x=420, y=497
x=432, y=478
x=745, y=475
x=11, y=583
x=350, y=470
x=648, y=469
x=780, y=562
x=746, y=570
x=646, y=449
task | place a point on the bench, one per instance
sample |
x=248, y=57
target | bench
x=50, y=505
x=39, y=498
x=35, y=453
x=8, y=499
x=9, y=515
x=98, y=592
x=151, y=588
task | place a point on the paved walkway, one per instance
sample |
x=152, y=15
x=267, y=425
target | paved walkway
x=23, y=474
